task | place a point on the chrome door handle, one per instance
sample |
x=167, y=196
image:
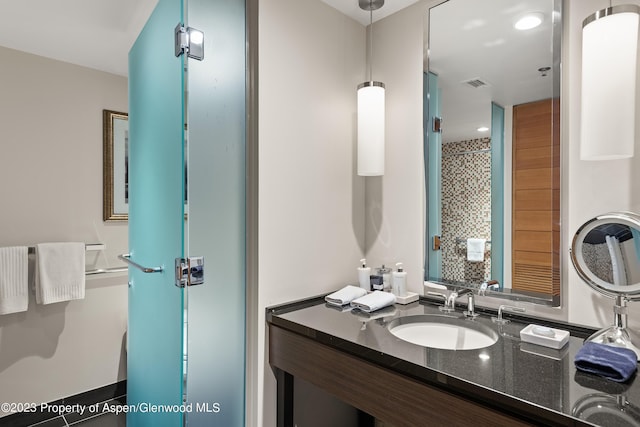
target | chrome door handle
x=127, y=258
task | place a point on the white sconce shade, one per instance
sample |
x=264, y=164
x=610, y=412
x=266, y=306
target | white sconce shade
x=609, y=57
x=371, y=129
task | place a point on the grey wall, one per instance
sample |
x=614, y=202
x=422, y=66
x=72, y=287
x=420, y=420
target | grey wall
x=311, y=217
x=51, y=190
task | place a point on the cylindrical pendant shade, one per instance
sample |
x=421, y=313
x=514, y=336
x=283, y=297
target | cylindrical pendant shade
x=371, y=129
x=609, y=56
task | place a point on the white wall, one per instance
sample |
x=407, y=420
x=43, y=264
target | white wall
x=311, y=217
x=595, y=187
x=393, y=202
x=51, y=175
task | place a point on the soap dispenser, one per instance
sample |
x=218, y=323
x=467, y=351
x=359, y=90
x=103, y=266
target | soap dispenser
x=399, y=281
x=364, y=275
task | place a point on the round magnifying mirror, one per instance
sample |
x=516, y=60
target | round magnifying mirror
x=606, y=254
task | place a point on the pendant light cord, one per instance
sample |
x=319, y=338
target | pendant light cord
x=370, y=40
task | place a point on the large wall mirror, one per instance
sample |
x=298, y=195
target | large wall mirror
x=492, y=146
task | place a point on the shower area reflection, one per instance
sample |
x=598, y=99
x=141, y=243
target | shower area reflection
x=466, y=208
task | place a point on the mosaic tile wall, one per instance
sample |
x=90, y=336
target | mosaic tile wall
x=466, y=208
x=598, y=259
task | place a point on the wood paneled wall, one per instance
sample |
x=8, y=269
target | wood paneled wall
x=536, y=197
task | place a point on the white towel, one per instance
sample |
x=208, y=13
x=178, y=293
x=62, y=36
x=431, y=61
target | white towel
x=374, y=301
x=14, y=286
x=475, y=250
x=59, y=272
x=345, y=295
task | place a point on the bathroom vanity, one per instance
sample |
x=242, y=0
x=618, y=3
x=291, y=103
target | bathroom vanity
x=353, y=356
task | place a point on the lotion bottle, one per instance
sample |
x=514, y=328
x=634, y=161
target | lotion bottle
x=364, y=275
x=399, y=281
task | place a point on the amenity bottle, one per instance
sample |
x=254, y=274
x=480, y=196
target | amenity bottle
x=364, y=275
x=399, y=281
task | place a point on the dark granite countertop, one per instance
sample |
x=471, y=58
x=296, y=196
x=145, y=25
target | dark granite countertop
x=536, y=382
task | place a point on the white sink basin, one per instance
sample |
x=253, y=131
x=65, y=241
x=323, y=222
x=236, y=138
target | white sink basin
x=444, y=332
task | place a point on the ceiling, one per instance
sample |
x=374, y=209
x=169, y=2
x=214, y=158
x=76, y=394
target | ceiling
x=93, y=33
x=351, y=9
x=469, y=39
x=99, y=33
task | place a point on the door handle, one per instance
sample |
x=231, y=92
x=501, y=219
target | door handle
x=127, y=258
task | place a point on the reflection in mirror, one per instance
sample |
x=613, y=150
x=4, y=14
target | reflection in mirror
x=608, y=250
x=492, y=155
x=606, y=254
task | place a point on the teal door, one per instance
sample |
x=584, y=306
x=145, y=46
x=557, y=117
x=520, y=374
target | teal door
x=155, y=368
x=497, y=194
x=186, y=346
x=433, y=174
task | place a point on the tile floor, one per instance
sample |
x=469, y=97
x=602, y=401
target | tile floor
x=85, y=420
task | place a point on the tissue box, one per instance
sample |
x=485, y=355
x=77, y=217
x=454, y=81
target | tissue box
x=541, y=335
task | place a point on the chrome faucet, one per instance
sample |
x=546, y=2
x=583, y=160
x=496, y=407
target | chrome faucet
x=450, y=301
x=492, y=285
x=447, y=307
x=470, y=312
x=503, y=308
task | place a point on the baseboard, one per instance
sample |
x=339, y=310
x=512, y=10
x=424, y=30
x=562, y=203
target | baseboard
x=102, y=394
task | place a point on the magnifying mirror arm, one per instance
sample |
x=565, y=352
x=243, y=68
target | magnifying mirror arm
x=617, y=334
x=620, y=312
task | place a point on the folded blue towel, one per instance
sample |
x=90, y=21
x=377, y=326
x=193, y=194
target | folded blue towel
x=615, y=363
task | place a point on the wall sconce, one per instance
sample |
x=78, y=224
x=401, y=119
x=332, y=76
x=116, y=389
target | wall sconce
x=609, y=57
x=371, y=111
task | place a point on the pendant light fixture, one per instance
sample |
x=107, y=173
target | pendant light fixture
x=371, y=111
x=609, y=57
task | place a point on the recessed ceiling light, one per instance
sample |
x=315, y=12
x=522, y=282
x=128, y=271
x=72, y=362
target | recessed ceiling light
x=529, y=21
x=482, y=129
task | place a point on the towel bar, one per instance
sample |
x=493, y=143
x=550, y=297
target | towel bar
x=127, y=258
x=461, y=240
x=91, y=247
x=106, y=270
x=88, y=247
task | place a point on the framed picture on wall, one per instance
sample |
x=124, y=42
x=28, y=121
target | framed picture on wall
x=115, y=160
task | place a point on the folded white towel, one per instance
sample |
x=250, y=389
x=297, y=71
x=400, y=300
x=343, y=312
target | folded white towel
x=475, y=250
x=374, y=301
x=345, y=295
x=14, y=287
x=59, y=272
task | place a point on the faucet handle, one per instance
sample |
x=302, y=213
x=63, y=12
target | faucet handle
x=470, y=312
x=439, y=294
x=503, y=308
x=446, y=307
